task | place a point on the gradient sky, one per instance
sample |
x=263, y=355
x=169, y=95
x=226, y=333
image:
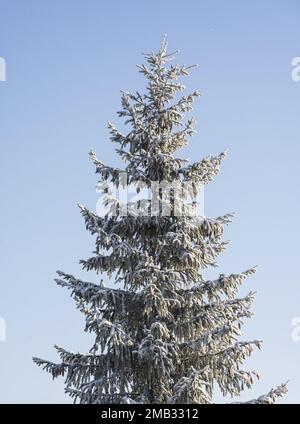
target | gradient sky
x=66, y=64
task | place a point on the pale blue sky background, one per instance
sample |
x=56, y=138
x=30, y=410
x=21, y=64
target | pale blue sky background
x=66, y=62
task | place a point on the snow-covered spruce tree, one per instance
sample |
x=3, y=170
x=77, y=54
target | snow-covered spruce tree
x=166, y=335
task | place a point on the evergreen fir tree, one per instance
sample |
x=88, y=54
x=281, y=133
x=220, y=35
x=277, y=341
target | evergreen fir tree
x=166, y=335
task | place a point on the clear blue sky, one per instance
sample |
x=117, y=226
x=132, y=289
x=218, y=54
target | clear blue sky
x=66, y=62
